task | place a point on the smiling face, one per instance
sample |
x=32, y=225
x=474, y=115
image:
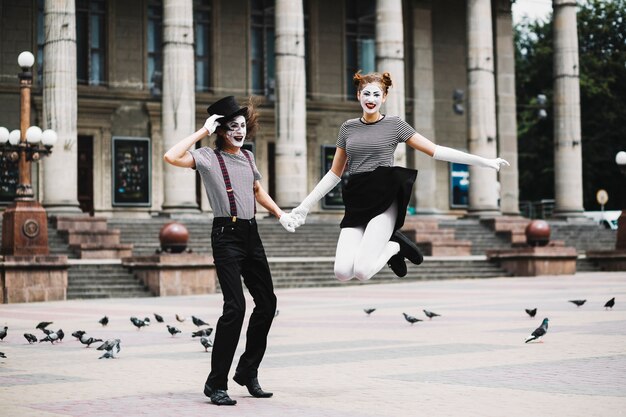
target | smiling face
x=236, y=132
x=371, y=98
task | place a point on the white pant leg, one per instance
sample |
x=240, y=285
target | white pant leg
x=375, y=249
x=347, y=246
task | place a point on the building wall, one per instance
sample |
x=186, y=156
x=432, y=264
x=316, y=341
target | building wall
x=450, y=73
x=125, y=107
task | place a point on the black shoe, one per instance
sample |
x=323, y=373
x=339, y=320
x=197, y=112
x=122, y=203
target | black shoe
x=253, y=386
x=408, y=249
x=397, y=265
x=218, y=396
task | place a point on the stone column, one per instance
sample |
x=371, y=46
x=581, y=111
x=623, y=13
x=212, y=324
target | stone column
x=568, y=187
x=507, y=117
x=60, y=183
x=390, y=58
x=291, y=159
x=178, y=101
x=424, y=106
x=481, y=109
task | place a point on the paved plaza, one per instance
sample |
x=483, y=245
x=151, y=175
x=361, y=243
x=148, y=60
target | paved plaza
x=327, y=358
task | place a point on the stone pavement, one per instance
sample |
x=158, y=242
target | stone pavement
x=327, y=358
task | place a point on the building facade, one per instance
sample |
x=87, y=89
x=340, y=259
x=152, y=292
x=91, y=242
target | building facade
x=122, y=81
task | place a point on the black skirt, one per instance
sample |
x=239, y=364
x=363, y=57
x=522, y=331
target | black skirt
x=369, y=194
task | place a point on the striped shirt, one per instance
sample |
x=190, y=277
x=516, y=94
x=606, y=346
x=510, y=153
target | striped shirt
x=241, y=179
x=371, y=145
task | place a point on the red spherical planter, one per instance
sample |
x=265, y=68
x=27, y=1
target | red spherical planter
x=538, y=233
x=173, y=237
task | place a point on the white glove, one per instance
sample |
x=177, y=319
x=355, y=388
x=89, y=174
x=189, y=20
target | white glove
x=288, y=222
x=443, y=153
x=327, y=183
x=211, y=123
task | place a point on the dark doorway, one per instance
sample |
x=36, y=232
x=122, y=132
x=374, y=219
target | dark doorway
x=85, y=174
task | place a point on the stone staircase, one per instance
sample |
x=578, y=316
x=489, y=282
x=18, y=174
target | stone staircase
x=480, y=234
x=583, y=235
x=319, y=273
x=102, y=280
x=305, y=258
x=312, y=239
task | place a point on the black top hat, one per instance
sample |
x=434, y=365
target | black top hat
x=227, y=107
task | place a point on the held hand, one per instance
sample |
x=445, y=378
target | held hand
x=288, y=222
x=498, y=163
x=211, y=123
x=299, y=214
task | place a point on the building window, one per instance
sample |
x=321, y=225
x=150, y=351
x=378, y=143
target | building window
x=155, y=46
x=202, y=16
x=91, y=41
x=40, y=41
x=263, y=69
x=360, y=40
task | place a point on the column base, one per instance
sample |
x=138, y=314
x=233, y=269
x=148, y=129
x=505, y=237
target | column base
x=65, y=207
x=483, y=213
x=180, y=208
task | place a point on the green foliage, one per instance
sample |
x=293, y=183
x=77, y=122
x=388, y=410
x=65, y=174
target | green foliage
x=602, y=58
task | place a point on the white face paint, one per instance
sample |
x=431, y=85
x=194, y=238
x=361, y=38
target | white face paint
x=237, y=131
x=371, y=98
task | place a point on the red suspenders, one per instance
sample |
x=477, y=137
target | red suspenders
x=229, y=188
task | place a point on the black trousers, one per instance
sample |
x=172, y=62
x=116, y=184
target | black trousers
x=238, y=251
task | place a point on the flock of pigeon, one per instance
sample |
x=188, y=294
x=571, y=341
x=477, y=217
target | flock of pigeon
x=537, y=334
x=112, y=347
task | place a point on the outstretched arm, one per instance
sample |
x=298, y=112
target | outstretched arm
x=264, y=199
x=443, y=153
x=327, y=183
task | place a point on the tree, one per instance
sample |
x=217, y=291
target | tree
x=602, y=59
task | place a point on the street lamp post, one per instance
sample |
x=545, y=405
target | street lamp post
x=24, y=224
x=620, y=160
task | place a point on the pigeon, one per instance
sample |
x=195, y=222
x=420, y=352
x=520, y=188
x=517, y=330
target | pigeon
x=539, y=331
x=30, y=337
x=78, y=334
x=411, y=319
x=158, y=318
x=369, y=311
x=2, y=355
x=111, y=346
x=137, y=323
x=88, y=340
x=146, y=320
x=3, y=333
x=180, y=319
x=204, y=332
x=610, y=303
x=104, y=321
x=530, y=312
x=61, y=334
x=578, y=302
x=47, y=331
x=50, y=337
x=430, y=314
x=199, y=322
x=206, y=343
x=42, y=325
x=173, y=330
x=107, y=355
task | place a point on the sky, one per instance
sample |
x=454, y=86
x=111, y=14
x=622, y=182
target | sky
x=532, y=8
